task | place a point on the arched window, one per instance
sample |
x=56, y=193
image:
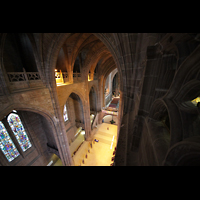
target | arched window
x=6, y=144
x=65, y=113
x=19, y=131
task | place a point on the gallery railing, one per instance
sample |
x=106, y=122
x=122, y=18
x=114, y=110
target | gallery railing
x=63, y=77
x=24, y=80
x=23, y=76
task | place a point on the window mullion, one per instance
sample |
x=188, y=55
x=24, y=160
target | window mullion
x=12, y=136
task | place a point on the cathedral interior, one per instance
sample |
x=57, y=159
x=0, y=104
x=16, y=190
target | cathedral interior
x=59, y=89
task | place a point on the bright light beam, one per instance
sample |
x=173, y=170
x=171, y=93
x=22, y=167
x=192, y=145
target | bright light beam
x=112, y=142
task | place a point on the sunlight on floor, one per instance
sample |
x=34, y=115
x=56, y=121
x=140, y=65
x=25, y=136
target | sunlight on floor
x=101, y=152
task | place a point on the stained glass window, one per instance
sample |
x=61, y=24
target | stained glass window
x=19, y=131
x=7, y=145
x=65, y=113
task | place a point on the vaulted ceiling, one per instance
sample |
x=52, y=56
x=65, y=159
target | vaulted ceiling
x=92, y=51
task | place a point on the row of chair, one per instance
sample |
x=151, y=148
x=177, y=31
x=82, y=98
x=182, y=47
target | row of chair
x=113, y=158
x=88, y=151
x=90, y=146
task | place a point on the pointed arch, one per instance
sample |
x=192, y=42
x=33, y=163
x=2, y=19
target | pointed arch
x=93, y=99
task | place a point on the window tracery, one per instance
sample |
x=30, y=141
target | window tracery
x=6, y=144
x=19, y=131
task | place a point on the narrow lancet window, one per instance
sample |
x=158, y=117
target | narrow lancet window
x=6, y=144
x=65, y=113
x=19, y=131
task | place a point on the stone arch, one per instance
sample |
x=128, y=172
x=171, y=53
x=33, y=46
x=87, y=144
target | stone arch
x=184, y=90
x=161, y=107
x=51, y=58
x=114, y=73
x=190, y=113
x=188, y=69
x=26, y=107
x=104, y=55
x=189, y=91
x=51, y=120
x=113, y=76
x=52, y=55
x=78, y=93
x=56, y=42
x=157, y=110
x=102, y=83
x=95, y=88
x=97, y=92
x=184, y=153
x=81, y=41
x=62, y=58
x=91, y=62
x=107, y=71
x=75, y=95
x=56, y=45
x=150, y=138
x=93, y=99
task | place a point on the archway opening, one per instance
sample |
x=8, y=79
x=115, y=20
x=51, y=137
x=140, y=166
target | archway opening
x=75, y=125
x=162, y=117
x=76, y=108
x=189, y=103
x=87, y=53
x=115, y=85
x=93, y=105
x=111, y=95
x=33, y=136
x=93, y=100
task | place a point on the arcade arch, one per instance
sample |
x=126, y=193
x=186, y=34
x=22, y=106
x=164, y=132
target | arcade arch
x=87, y=59
x=93, y=100
x=40, y=131
x=74, y=57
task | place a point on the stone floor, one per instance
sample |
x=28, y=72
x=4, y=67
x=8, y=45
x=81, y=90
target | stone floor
x=102, y=151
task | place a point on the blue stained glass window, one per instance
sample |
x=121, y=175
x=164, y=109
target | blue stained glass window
x=6, y=144
x=19, y=131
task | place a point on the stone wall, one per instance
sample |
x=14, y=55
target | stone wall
x=158, y=72
x=152, y=139
x=40, y=134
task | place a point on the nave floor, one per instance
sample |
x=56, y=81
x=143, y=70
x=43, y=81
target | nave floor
x=102, y=151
